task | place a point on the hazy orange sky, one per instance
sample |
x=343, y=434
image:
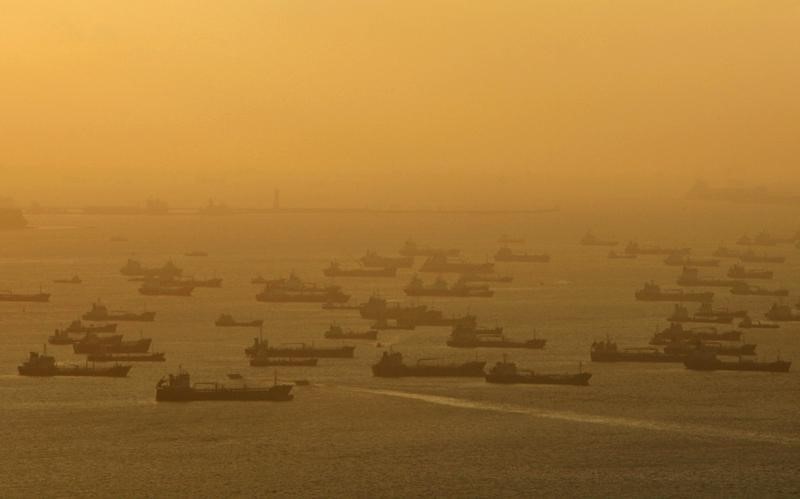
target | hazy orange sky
x=456, y=103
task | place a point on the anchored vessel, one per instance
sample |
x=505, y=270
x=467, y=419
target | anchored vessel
x=739, y=272
x=72, y=280
x=440, y=263
x=373, y=259
x=79, y=327
x=703, y=361
x=634, y=248
x=681, y=259
x=92, y=344
x=45, y=365
x=681, y=314
x=779, y=312
x=607, y=351
x=469, y=336
x=412, y=249
x=135, y=268
x=751, y=290
x=178, y=388
x=506, y=255
x=262, y=361
x=227, y=320
x=506, y=239
x=676, y=333
x=752, y=257
x=440, y=288
x=653, y=292
x=591, y=240
x=261, y=348
x=613, y=255
x=336, y=270
x=691, y=277
x=508, y=373
x=295, y=290
x=64, y=337
x=32, y=297
x=100, y=312
x=748, y=323
x=724, y=252
x=476, y=277
x=391, y=365
x=110, y=357
x=706, y=309
x=336, y=332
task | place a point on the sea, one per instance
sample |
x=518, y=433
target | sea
x=638, y=429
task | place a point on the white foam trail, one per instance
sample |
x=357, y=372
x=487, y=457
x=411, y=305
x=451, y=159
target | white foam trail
x=639, y=424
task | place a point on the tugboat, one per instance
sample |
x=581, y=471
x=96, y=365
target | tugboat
x=634, y=248
x=45, y=365
x=410, y=248
x=589, y=239
x=110, y=357
x=691, y=277
x=178, y=388
x=335, y=332
x=262, y=361
x=335, y=270
x=227, y=320
x=653, y=292
x=79, y=327
x=100, y=312
x=681, y=259
x=607, y=351
x=468, y=336
x=92, y=344
x=34, y=297
x=262, y=348
x=505, y=254
x=752, y=257
x=706, y=361
x=372, y=259
x=748, y=323
x=156, y=290
x=681, y=314
x=440, y=288
x=72, y=280
x=508, y=373
x=440, y=263
x=751, y=290
x=739, y=272
x=782, y=313
x=391, y=365
x=676, y=333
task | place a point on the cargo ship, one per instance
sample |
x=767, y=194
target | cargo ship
x=261, y=348
x=72, y=280
x=440, y=288
x=704, y=361
x=607, y=351
x=412, y=249
x=373, y=259
x=440, y=263
x=227, y=320
x=589, y=239
x=508, y=373
x=262, y=361
x=336, y=332
x=752, y=290
x=506, y=255
x=724, y=252
x=19, y=297
x=782, y=313
x=472, y=337
x=79, y=327
x=748, y=323
x=739, y=272
x=178, y=388
x=100, y=312
x=752, y=257
x=135, y=268
x=391, y=365
x=158, y=290
x=45, y=365
x=294, y=290
x=676, y=333
x=683, y=260
x=506, y=239
x=653, y=292
x=691, y=277
x=634, y=248
x=681, y=314
x=340, y=306
x=707, y=309
x=125, y=357
x=93, y=345
x=336, y=270
x=485, y=277
x=63, y=337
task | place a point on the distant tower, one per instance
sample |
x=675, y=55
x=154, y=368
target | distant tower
x=276, y=201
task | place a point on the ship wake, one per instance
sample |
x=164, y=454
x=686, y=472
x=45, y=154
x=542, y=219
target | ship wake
x=693, y=430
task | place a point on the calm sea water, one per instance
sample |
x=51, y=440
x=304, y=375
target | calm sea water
x=638, y=430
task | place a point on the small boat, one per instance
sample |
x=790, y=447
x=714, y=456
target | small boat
x=72, y=280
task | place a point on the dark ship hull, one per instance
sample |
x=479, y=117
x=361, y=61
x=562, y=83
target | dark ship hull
x=276, y=362
x=627, y=356
x=579, y=379
x=384, y=272
x=674, y=296
x=104, y=357
x=344, y=352
x=99, y=328
x=367, y=335
x=166, y=291
x=107, y=372
x=138, y=346
x=122, y=317
x=703, y=363
x=277, y=393
x=468, y=369
x=496, y=343
x=453, y=293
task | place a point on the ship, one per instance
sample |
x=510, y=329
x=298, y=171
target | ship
x=19, y=297
x=691, y=277
x=259, y=279
x=484, y=277
x=336, y=270
x=724, y=252
x=748, y=323
x=45, y=365
x=613, y=255
x=125, y=357
x=391, y=365
x=766, y=239
x=634, y=248
x=157, y=290
x=708, y=361
x=508, y=373
x=653, y=292
x=676, y=333
x=336, y=332
x=468, y=336
x=758, y=195
x=440, y=263
x=412, y=249
x=91, y=344
x=440, y=288
x=227, y=320
x=261, y=348
x=276, y=362
x=64, y=337
x=79, y=327
x=739, y=272
x=135, y=268
x=373, y=259
x=340, y=306
x=384, y=324
x=178, y=388
x=752, y=290
x=706, y=309
x=782, y=313
x=681, y=259
x=506, y=239
x=607, y=351
x=505, y=254
x=12, y=219
x=100, y=312
x=378, y=307
x=753, y=257
x=213, y=282
x=195, y=253
x=589, y=239
x=681, y=314
x=72, y=280
x=690, y=347
x=294, y=290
